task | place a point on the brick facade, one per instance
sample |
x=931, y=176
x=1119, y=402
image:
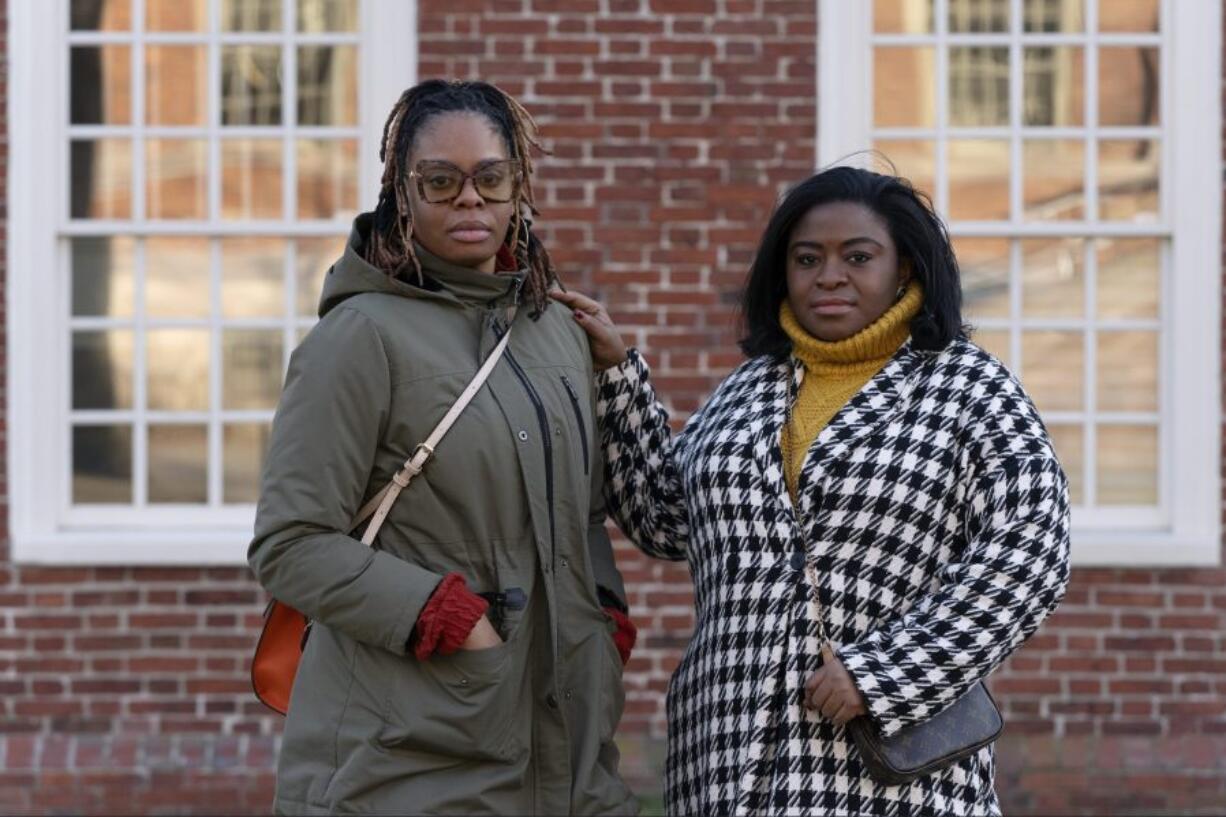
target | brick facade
x=673, y=126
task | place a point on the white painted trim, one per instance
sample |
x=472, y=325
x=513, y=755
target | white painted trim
x=43, y=528
x=1185, y=527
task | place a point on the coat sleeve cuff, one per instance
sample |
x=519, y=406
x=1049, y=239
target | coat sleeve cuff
x=448, y=617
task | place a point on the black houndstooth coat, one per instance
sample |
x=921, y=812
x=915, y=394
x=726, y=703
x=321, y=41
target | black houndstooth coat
x=939, y=532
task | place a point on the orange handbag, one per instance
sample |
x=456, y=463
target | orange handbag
x=285, y=631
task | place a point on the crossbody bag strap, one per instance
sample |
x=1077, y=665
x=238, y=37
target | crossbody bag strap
x=381, y=503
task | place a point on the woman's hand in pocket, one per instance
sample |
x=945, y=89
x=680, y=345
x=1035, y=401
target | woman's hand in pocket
x=608, y=349
x=482, y=637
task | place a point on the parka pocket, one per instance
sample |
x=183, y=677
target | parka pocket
x=455, y=706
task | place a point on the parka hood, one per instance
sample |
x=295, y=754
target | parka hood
x=353, y=275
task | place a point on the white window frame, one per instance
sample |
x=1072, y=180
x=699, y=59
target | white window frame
x=1188, y=530
x=43, y=527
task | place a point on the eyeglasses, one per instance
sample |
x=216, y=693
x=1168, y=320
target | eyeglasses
x=442, y=182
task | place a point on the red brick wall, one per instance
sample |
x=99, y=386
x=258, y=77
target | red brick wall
x=673, y=125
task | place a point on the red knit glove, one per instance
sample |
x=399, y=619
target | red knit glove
x=626, y=633
x=448, y=617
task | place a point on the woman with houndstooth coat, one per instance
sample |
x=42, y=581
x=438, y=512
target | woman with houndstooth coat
x=868, y=469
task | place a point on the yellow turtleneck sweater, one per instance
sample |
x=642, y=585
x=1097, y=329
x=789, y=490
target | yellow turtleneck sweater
x=835, y=371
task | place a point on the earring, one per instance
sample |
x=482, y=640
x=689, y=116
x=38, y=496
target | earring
x=901, y=291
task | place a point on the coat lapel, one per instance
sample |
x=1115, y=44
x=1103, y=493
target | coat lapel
x=771, y=402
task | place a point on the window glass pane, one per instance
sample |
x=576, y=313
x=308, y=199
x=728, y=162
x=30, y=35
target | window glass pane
x=902, y=16
x=176, y=84
x=1128, y=83
x=1127, y=371
x=176, y=15
x=251, y=15
x=913, y=159
x=177, y=277
x=178, y=364
x=101, y=175
x=1128, y=179
x=1054, y=86
x=313, y=258
x=251, y=179
x=244, y=448
x=327, y=178
x=328, y=85
x=904, y=87
x=250, y=85
x=327, y=15
x=102, y=369
x=1053, y=179
x=101, y=15
x=178, y=463
x=978, y=16
x=1053, y=16
x=252, y=277
x=1069, y=442
x=1129, y=277
x=995, y=342
x=978, y=179
x=984, y=263
x=1053, y=369
x=1053, y=278
x=102, y=276
x=101, y=82
x=1127, y=460
x=978, y=86
x=102, y=464
x=1128, y=15
x=251, y=369
x=177, y=172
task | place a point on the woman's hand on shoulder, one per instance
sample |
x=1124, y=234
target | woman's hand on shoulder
x=608, y=349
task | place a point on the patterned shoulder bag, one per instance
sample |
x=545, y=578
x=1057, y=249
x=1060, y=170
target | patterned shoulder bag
x=963, y=728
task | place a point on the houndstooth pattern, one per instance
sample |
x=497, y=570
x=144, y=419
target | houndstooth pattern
x=939, y=532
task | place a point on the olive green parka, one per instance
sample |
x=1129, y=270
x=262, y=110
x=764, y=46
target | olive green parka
x=511, y=500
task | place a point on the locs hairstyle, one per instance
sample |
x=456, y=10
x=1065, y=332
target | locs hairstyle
x=390, y=247
x=917, y=232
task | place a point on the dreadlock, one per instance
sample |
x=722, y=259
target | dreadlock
x=390, y=247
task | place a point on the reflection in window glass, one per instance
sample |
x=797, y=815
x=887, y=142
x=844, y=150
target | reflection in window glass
x=913, y=159
x=978, y=86
x=978, y=16
x=1128, y=15
x=177, y=178
x=1053, y=86
x=178, y=367
x=984, y=264
x=327, y=178
x=978, y=179
x=902, y=16
x=101, y=82
x=100, y=15
x=1053, y=179
x=995, y=343
x=1069, y=442
x=102, y=276
x=101, y=464
x=328, y=85
x=251, y=368
x=250, y=179
x=313, y=258
x=252, y=277
x=1128, y=81
x=250, y=85
x=1127, y=371
x=1053, y=16
x=251, y=15
x=176, y=15
x=244, y=447
x=1053, y=278
x=327, y=15
x=178, y=463
x=177, y=271
x=904, y=87
x=101, y=178
x=1128, y=178
x=1053, y=369
x=176, y=84
x=1129, y=277
x=102, y=369
x=1127, y=465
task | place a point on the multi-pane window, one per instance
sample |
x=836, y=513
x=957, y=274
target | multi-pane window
x=1043, y=131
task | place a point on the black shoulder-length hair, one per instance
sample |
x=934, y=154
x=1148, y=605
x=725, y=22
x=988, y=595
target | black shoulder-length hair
x=917, y=232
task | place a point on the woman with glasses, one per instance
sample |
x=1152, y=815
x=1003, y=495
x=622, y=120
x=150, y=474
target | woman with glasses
x=470, y=662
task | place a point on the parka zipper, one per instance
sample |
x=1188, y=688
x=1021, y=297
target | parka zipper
x=574, y=403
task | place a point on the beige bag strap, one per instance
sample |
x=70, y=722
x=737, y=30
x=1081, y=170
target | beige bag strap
x=380, y=505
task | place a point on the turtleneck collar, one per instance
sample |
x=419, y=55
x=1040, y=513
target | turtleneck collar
x=869, y=347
